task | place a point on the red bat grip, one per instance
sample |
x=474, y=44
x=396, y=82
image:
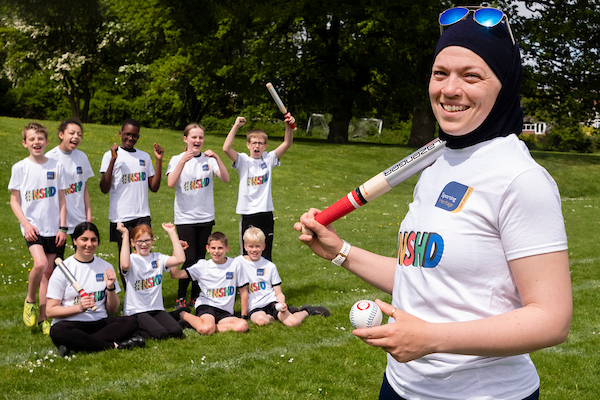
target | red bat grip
x=293, y=126
x=337, y=210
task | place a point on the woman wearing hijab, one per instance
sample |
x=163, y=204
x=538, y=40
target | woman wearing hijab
x=482, y=273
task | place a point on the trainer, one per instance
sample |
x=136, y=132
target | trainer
x=482, y=273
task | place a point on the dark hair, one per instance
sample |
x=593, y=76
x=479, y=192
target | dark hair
x=132, y=122
x=63, y=125
x=218, y=236
x=82, y=228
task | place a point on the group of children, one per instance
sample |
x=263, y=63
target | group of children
x=54, y=184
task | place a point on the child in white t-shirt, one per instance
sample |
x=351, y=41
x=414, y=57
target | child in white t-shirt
x=219, y=279
x=143, y=272
x=37, y=199
x=255, y=202
x=266, y=301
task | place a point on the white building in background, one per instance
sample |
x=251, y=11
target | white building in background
x=539, y=128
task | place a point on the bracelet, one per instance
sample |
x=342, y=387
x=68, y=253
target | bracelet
x=63, y=229
x=342, y=255
x=111, y=290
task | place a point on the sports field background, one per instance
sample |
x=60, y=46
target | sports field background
x=321, y=358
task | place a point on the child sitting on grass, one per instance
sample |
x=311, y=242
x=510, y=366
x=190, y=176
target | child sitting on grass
x=218, y=278
x=143, y=272
x=265, y=300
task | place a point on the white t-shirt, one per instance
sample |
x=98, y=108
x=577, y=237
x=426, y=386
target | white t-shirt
x=218, y=282
x=144, y=283
x=77, y=171
x=261, y=276
x=38, y=186
x=254, y=194
x=129, y=187
x=474, y=210
x=91, y=277
x=194, y=199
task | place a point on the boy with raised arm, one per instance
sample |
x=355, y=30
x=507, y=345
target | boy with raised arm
x=255, y=202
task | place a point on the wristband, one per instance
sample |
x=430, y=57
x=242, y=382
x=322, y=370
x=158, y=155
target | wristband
x=63, y=229
x=342, y=255
x=111, y=290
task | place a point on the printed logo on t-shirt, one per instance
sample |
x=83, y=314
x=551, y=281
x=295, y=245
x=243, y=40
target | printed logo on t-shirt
x=142, y=163
x=420, y=249
x=79, y=170
x=263, y=165
x=74, y=188
x=135, y=177
x=99, y=277
x=229, y=275
x=50, y=175
x=205, y=167
x=258, y=180
x=221, y=292
x=453, y=197
x=197, y=184
x=154, y=264
x=260, y=272
x=38, y=194
x=256, y=286
x=149, y=283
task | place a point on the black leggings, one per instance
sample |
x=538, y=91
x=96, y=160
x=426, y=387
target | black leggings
x=93, y=336
x=196, y=236
x=265, y=222
x=158, y=325
x=387, y=393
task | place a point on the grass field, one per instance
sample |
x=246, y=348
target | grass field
x=321, y=358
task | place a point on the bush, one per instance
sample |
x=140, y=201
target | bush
x=568, y=138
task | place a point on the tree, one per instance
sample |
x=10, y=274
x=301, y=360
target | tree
x=560, y=40
x=67, y=40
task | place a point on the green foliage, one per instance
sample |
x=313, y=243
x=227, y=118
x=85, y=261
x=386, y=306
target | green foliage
x=568, y=138
x=321, y=358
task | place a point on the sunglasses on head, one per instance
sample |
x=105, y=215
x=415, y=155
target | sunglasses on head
x=484, y=16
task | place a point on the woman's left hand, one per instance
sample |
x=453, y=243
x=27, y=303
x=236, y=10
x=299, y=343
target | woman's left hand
x=405, y=339
x=110, y=277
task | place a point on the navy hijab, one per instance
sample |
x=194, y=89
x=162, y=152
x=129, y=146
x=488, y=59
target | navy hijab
x=495, y=46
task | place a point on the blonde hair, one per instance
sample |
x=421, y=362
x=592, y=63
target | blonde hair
x=254, y=235
x=34, y=126
x=257, y=133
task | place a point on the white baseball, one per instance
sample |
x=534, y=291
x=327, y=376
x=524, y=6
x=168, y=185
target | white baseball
x=279, y=306
x=365, y=314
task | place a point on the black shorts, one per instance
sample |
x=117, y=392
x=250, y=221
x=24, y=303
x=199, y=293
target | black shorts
x=269, y=309
x=115, y=235
x=48, y=243
x=214, y=311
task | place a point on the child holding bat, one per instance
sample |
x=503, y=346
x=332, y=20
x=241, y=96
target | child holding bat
x=75, y=326
x=255, y=202
x=37, y=199
x=143, y=272
x=265, y=300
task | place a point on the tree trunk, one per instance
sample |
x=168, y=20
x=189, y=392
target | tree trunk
x=340, y=121
x=423, y=123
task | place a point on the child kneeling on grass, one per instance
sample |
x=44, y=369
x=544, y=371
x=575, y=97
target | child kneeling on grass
x=265, y=300
x=218, y=279
x=143, y=272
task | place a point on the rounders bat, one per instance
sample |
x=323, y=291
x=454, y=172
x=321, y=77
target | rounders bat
x=76, y=285
x=278, y=101
x=382, y=182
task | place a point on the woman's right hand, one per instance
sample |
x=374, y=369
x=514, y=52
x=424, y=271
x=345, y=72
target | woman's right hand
x=323, y=240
